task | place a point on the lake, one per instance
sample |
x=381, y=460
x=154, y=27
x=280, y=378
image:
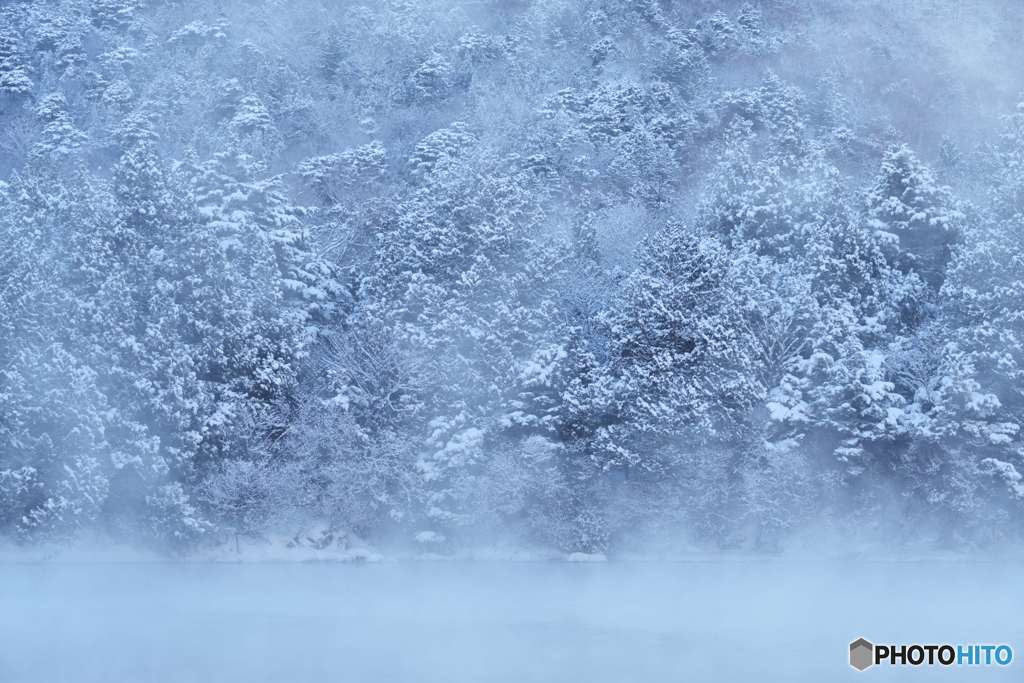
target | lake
x=451, y=622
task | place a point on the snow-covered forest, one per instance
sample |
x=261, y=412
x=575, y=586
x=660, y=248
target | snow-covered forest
x=575, y=274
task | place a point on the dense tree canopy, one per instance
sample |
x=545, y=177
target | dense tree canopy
x=581, y=271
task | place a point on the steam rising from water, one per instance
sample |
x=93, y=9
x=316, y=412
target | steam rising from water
x=453, y=623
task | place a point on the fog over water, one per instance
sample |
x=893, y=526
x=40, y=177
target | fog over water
x=447, y=622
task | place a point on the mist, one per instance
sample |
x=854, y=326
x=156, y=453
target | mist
x=508, y=339
x=704, y=621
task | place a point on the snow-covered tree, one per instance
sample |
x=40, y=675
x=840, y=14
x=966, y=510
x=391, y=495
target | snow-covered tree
x=575, y=271
x=914, y=215
x=15, y=79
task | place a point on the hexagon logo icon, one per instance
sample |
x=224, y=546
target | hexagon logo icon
x=862, y=654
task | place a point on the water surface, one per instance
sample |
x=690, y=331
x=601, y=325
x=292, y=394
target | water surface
x=472, y=622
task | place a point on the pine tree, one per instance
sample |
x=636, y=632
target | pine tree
x=671, y=347
x=59, y=138
x=916, y=215
x=112, y=14
x=14, y=67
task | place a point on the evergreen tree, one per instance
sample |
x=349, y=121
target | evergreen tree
x=15, y=80
x=913, y=213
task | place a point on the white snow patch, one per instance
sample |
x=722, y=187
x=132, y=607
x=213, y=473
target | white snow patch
x=586, y=557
